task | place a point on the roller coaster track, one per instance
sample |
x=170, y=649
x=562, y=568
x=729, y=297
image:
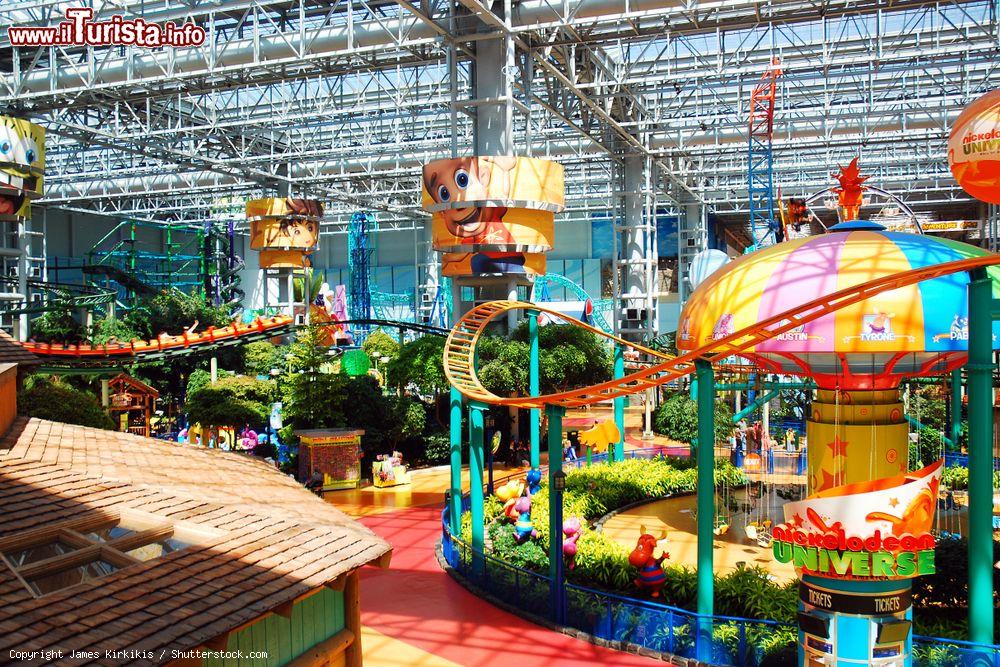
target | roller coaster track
x=460, y=348
x=61, y=355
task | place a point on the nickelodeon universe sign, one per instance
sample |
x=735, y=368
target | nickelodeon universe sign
x=838, y=555
x=978, y=143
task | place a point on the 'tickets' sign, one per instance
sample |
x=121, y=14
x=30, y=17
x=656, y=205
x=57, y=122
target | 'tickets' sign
x=878, y=604
x=878, y=529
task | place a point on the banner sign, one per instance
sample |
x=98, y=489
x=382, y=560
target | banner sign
x=873, y=530
x=492, y=264
x=283, y=259
x=974, y=148
x=22, y=164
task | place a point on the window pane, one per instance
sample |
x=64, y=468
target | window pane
x=108, y=534
x=59, y=580
x=157, y=549
x=36, y=553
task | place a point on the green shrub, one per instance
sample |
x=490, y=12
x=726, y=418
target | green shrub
x=677, y=418
x=57, y=326
x=748, y=592
x=437, y=448
x=260, y=356
x=955, y=477
x=110, y=328
x=55, y=400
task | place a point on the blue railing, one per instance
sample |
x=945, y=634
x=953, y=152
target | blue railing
x=962, y=460
x=659, y=627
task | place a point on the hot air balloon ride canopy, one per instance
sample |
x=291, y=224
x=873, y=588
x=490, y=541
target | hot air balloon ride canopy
x=916, y=330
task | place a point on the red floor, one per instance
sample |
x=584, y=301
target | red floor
x=414, y=601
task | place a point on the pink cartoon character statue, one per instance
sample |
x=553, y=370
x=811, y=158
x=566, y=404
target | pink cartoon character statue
x=571, y=531
x=523, y=527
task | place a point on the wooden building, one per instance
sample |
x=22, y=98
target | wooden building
x=131, y=404
x=166, y=554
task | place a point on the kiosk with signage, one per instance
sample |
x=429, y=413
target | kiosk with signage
x=333, y=452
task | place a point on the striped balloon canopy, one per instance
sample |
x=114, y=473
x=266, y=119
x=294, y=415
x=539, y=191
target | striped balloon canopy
x=920, y=329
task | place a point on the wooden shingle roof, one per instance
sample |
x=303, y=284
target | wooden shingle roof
x=274, y=541
x=12, y=352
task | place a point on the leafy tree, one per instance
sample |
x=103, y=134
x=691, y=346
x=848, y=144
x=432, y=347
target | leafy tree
x=172, y=311
x=112, y=329
x=503, y=365
x=420, y=363
x=677, y=418
x=57, y=326
x=199, y=379
x=381, y=344
x=232, y=401
x=259, y=357
x=568, y=357
x=50, y=398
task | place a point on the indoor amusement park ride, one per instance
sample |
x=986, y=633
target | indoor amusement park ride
x=856, y=310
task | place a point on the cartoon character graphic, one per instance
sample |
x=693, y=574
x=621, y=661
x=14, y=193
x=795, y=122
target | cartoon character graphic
x=724, y=327
x=879, y=324
x=849, y=194
x=288, y=224
x=472, y=180
x=22, y=162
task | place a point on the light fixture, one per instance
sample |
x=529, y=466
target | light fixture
x=559, y=481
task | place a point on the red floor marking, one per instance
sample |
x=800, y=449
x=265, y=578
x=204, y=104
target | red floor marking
x=416, y=602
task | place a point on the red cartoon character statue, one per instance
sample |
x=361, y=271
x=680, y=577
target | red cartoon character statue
x=851, y=188
x=648, y=556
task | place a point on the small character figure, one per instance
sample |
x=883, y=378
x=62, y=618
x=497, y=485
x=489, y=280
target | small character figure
x=880, y=324
x=534, y=479
x=508, y=494
x=523, y=527
x=850, y=192
x=571, y=530
x=648, y=556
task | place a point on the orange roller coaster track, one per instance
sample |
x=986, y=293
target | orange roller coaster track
x=460, y=348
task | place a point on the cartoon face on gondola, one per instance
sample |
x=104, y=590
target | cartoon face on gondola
x=297, y=228
x=22, y=162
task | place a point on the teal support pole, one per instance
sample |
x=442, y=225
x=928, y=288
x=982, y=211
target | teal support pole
x=980, y=388
x=956, y=406
x=455, y=442
x=756, y=405
x=619, y=405
x=476, y=500
x=534, y=414
x=557, y=588
x=706, y=505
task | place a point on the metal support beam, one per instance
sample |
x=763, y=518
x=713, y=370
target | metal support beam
x=705, y=505
x=476, y=500
x=557, y=588
x=534, y=414
x=455, y=460
x=980, y=387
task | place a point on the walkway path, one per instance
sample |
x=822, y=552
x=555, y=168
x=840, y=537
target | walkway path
x=414, y=614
